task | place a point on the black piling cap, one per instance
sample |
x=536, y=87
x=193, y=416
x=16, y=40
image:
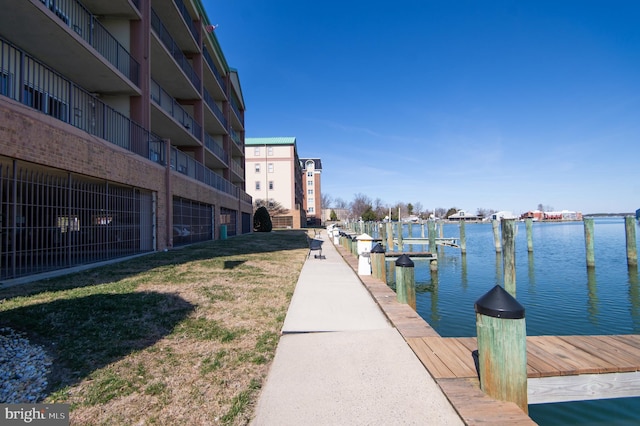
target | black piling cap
x=498, y=303
x=377, y=249
x=405, y=261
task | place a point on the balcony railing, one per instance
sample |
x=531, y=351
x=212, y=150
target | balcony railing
x=216, y=111
x=210, y=143
x=187, y=19
x=209, y=60
x=174, y=109
x=235, y=108
x=236, y=139
x=173, y=48
x=236, y=168
x=85, y=24
x=25, y=79
x=186, y=165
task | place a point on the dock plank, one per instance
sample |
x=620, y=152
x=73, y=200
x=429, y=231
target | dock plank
x=432, y=362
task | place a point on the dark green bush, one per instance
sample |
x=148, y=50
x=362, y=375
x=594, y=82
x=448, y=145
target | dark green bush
x=262, y=220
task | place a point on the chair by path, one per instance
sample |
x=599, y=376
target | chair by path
x=315, y=245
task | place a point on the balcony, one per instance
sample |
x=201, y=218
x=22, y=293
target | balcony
x=237, y=118
x=182, y=163
x=216, y=83
x=169, y=13
x=171, y=120
x=34, y=84
x=215, y=156
x=214, y=118
x=237, y=171
x=238, y=146
x=66, y=36
x=169, y=63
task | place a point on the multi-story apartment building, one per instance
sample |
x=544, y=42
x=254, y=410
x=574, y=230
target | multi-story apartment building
x=274, y=173
x=121, y=132
x=312, y=173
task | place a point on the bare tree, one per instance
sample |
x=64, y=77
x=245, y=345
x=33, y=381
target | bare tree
x=326, y=201
x=339, y=203
x=273, y=207
x=361, y=203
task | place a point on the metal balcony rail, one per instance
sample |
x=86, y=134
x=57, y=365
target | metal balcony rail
x=187, y=19
x=216, y=111
x=210, y=143
x=186, y=165
x=174, y=49
x=26, y=80
x=236, y=139
x=208, y=59
x=236, y=168
x=234, y=107
x=174, y=109
x=85, y=24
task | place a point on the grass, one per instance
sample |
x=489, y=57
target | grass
x=178, y=337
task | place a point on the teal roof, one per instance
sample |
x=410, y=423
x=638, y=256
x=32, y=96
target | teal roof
x=270, y=141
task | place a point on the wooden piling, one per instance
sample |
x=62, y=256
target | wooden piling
x=502, y=347
x=529, y=225
x=589, y=243
x=400, y=244
x=431, y=226
x=405, y=281
x=496, y=235
x=389, y=236
x=630, y=233
x=509, y=255
x=378, y=263
x=463, y=238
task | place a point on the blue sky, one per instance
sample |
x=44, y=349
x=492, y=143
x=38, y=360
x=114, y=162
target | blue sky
x=499, y=105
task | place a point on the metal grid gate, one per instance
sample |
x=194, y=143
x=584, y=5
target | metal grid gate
x=192, y=221
x=51, y=219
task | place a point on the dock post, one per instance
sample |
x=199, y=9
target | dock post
x=389, y=227
x=502, y=347
x=431, y=227
x=632, y=249
x=400, y=244
x=378, y=263
x=589, y=243
x=405, y=281
x=421, y=228
x=509, y=254
x=463, y=238
x=496, y=235
x=529, y=225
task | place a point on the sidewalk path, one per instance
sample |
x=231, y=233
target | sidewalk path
x=340, y=362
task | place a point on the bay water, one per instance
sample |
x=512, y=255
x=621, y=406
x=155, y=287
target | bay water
x=560, y=294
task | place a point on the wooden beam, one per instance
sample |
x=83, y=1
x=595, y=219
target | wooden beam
x=546, y=390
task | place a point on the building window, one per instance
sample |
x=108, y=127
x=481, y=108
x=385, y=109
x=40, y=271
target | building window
x=309, y=174
x=310, y=210
x=256, y=151
x=270, y=167
x=270, y=150
x=310, y=200
x=309, y=183
x=257, y=167
x=257, y=185
x=310, y=192
x=270, y=185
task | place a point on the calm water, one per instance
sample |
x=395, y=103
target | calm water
x=560, y=295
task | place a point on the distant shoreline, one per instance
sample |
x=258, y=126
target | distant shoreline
x=608, y=214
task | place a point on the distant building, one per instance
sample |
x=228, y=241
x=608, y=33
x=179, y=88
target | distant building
x=502, y=215
x=274, y=173
x=311, y=180
x=537, y=215
x=462, y=215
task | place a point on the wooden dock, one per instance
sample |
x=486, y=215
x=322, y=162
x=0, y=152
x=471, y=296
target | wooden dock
x=426, y=255
x=559, y=368
x=440, y=241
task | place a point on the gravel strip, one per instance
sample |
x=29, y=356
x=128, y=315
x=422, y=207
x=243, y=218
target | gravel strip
x=23, y=369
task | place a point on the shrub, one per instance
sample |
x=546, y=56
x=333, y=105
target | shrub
x=262, y=220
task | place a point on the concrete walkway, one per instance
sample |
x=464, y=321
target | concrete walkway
x=340, y=362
